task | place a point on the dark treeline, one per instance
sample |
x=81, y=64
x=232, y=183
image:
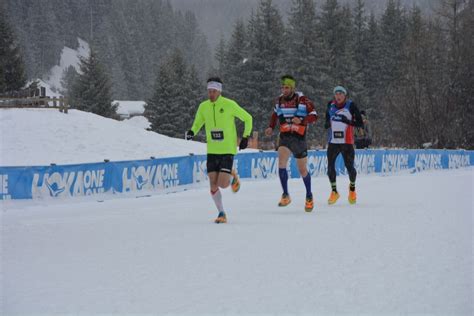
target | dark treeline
x=413, y=74
x=217, y=12
x=131, y=38
x=12, y=68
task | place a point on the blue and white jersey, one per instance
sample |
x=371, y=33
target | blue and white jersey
x=298, y=106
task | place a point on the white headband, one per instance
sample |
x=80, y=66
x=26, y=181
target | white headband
x=214, y=85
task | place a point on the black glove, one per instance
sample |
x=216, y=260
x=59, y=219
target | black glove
x=243, y=143
x=189, y=135
x=344, y=119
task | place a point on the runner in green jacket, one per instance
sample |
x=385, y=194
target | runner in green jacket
x=218, y=115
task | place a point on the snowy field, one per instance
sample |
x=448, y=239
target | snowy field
x=404, y=249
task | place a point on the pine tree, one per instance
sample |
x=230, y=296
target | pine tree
x=361, y=49
x=91, y=91
x=12, y=73
x=301, y=56
x=306, y=57
x=130, y=37
x=67, y=15
x=68, y=79
x=458, y=21
x=45, y=47
x=194, y=45
x=393, y=34
x=195, y=92
x=328, y=21
x=220, y=58
x=266, y=34
x=236, y=76
x=436, y=76
x=392, y=38
x=466, y=76
x=169, y=110
x=373, y=66
x=337, y=26
x=411, y=119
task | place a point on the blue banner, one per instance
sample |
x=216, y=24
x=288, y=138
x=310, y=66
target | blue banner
x=168, y=174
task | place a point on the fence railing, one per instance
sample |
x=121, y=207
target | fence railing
x=60, y=103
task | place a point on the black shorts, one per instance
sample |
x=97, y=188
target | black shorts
x=296, y=144
x=220, y=163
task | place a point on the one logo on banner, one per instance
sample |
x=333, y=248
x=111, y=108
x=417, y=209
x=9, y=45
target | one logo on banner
x=58, y=184
x=427, y=162
x=317, y=165
x=265, y=167
x=161, y=176
x=458, y=161
x=200, y=171
x=140, y=180
x=4, y=187
x=54, y=188
x=394, y=163
x=365, y=163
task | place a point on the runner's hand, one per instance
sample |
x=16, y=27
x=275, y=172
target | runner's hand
x=296, y=120
x=243, y=143
x=189, y=135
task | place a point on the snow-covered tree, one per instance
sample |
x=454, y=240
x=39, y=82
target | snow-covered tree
x=91, y=89
x=177, y=94
x=12, y=73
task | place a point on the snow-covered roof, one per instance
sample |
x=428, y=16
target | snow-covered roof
x=41, y=83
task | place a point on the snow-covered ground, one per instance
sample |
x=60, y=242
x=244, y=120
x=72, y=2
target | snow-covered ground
x=138, y=121
x=43, y=136
x=404, y=249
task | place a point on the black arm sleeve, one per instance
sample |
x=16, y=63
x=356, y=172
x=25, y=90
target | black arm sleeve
x=357, y=118
x=327, y=122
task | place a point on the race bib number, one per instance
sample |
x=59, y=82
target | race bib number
x=217, y=135
x=339, y=134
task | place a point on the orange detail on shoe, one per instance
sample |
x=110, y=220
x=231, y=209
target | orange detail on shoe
x=333, y=197
x=221, y=220
x=352, y=197
x=285, y=200
x=309, y=205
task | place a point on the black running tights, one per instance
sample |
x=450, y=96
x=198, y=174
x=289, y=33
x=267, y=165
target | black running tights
x=348, y=153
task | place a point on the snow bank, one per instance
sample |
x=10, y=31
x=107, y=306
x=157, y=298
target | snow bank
x=138, y=121
x=44, y=136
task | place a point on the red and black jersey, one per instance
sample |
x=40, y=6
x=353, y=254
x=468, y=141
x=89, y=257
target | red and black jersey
x=286, y=109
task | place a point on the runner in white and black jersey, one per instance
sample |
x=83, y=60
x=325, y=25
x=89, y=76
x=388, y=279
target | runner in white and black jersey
x=342, y=115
